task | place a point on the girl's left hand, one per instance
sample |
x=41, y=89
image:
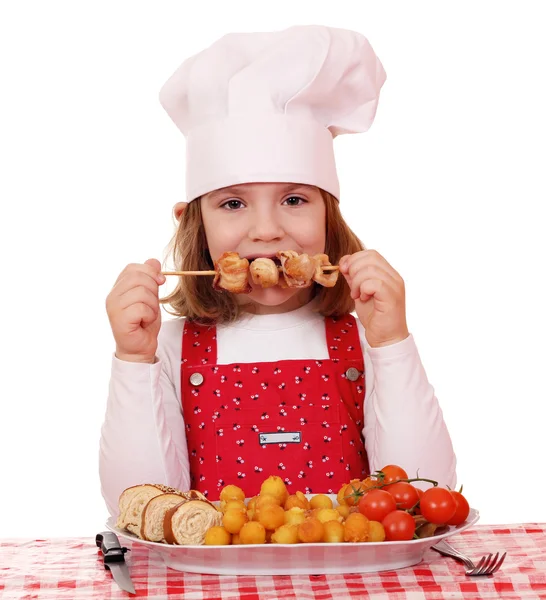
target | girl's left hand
x=379, y=295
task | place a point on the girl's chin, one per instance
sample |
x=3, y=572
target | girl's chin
x=275, y=296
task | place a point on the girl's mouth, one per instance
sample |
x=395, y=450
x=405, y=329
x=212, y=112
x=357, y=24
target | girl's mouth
x=272, y=257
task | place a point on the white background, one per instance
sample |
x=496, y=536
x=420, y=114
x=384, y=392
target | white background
x=448, y=185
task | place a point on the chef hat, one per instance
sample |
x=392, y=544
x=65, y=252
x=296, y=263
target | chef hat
x=265, y=107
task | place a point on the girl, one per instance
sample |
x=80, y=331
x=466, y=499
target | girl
x=282, y=380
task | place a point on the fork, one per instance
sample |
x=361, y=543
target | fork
x=488, y=564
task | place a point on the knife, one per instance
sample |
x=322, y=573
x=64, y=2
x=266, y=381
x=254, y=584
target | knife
x=114, y=559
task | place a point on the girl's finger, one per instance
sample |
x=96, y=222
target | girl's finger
x=141, y=313
x=344, y=263
x=387, y=290
x=156, y=270
x=139, y=295
x=152, y=268
x=370, y=270
x=372, y=257
x=371, y=288
x=134, y=279
x=154, y=263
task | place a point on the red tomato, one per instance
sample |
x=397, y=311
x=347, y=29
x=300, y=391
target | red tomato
x=393, y=473
x=438, y=505
x=462, y=510
x=404, y=493
x=399, y=526
x=376, y=505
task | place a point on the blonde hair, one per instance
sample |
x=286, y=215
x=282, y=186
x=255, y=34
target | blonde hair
x=195, y=298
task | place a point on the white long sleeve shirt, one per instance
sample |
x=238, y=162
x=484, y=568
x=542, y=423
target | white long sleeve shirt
x=143, y=436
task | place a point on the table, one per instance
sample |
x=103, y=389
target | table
x=72, y=568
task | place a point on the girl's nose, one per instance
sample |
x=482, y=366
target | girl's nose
x=266, y=228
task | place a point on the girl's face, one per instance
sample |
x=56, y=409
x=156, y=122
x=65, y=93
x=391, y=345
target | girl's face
x=259, y=219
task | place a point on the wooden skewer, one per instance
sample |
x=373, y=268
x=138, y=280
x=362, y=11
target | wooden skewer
x=188, y=272
x=330, y=268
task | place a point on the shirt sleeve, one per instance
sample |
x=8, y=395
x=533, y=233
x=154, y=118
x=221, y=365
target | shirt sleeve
x=403, y=421
x=143, y=436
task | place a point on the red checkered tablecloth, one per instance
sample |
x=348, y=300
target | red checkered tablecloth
x=72, y=568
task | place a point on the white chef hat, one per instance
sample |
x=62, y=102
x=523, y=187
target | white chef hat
x=265, y=107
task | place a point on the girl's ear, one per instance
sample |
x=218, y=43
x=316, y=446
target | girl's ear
x=178, y=209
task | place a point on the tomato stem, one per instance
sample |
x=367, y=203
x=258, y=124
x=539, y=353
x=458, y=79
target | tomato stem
x=357, y=494
x=434, y=483
x=379, y=475
x=409, y=510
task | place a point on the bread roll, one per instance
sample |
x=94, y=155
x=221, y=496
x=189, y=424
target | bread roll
x=187, y=522
x=153, y=516
x=132, y=502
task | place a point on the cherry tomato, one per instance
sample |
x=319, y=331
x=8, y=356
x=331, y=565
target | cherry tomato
x=393, y=473
x=399, y=526
x=376, y=505
x=438, y=505
x=369, y=483
x=462, y=510
x=404, y=493
x=354, y=491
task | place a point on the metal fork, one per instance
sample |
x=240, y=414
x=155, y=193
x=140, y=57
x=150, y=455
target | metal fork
x=488, y=564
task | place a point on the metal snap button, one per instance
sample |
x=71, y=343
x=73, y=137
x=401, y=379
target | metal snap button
x=352, y=373
x=196, y=379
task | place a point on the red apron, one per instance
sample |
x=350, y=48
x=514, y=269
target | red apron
x=298, y=419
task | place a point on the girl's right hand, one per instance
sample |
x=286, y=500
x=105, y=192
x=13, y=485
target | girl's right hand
x=134, y=312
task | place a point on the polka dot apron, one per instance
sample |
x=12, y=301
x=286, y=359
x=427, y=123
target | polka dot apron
x=298, y=419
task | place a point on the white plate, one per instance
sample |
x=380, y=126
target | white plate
x=294, y=559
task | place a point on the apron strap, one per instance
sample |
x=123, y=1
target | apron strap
x=342, y=338
x=198, y=344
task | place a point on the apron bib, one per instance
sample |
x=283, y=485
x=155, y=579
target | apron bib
x=298, y=419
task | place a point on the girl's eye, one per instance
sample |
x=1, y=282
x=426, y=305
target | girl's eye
x=295, y=201
x=232, y=204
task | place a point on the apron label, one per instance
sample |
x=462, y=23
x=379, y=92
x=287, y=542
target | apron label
x=280, y=437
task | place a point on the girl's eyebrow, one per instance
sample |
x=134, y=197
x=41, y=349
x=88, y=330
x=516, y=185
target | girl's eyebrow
x=241, y=190
x=228, y=190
